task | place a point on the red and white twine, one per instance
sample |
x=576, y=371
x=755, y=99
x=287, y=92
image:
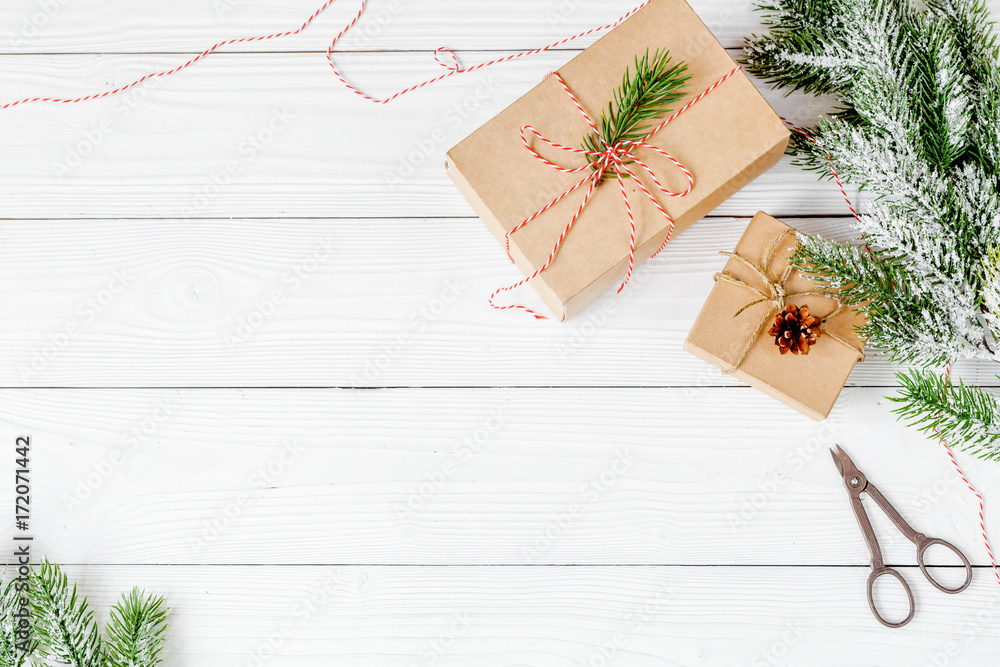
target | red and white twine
x=190, y=62
x=947, y=372
x=611, y=158
x=453, y=66
x=615, y=158
x=979, y=497
x=829, y=160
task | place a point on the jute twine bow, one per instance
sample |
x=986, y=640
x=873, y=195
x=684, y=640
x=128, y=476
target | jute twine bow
x=777, y=296
x=611, y=158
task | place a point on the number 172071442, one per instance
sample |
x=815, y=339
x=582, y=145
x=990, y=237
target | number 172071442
x=22, y=482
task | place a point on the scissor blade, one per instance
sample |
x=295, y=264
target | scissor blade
x=846, y=461
x=837, y=461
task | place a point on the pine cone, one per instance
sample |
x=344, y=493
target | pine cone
x=795, y=330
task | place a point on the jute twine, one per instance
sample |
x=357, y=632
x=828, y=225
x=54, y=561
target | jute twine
x=775, y=294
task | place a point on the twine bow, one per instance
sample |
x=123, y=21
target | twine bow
x=775, y=294
x=611, y=158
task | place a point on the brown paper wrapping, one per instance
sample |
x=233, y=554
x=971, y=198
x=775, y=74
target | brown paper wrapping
x=727, y=139
x=809, y=383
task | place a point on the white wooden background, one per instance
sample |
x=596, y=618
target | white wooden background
x=383, y=471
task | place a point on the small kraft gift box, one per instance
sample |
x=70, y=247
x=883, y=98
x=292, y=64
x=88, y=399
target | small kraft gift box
x=773, y=328
x=565, y=214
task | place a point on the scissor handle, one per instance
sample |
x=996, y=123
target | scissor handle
x=923, y=545
x=876, y=573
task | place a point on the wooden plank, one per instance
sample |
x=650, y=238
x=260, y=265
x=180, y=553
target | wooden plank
x=549, y=617
x=275, y=135
x=340, y=303
x=108, y=26
x=571, y=476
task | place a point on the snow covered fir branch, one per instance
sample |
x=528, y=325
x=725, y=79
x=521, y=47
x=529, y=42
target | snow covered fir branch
x=964, y=414
x=918, y=129
x=62, y=631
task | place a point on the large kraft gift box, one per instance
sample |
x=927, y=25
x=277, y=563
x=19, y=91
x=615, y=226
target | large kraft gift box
x=726, y=139
x=811, y=382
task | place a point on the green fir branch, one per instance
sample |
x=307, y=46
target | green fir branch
x=898, y=312
x=918, y=129
x=135, y=631
x=61, y=631
x=644, y=97
x=14, y=648
x=807, y=153
x=971, y=26
x=803, y=50
x=797, y=60
x=63, y=623
x=991, y=290
x=945, y=89
x=955, y=413
x=858, y=275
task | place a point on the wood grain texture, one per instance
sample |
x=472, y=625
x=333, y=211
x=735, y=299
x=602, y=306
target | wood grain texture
x=549, y=617
x=110, y=26
x=107, y=26
x=495, y=476
x=275, y=135
x=248, y=223
x=340, y=303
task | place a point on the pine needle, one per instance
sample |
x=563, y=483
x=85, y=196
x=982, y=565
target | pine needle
x=804, y=49
x=63, y=623
x=918, y=129
x=644, y=97
x=991, y=291
x=14, y=650
x=135, y=631
x=961, y=415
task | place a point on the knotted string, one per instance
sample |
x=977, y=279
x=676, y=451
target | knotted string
x=777, y=296
x=947, y=372
x=453, y=66
x=611, y=158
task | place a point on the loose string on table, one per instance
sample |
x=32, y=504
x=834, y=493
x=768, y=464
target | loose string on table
x=453, y=67
x=184, y=66
x=979, y=497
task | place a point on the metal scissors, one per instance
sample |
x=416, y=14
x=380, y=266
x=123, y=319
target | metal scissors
x=857, y=483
